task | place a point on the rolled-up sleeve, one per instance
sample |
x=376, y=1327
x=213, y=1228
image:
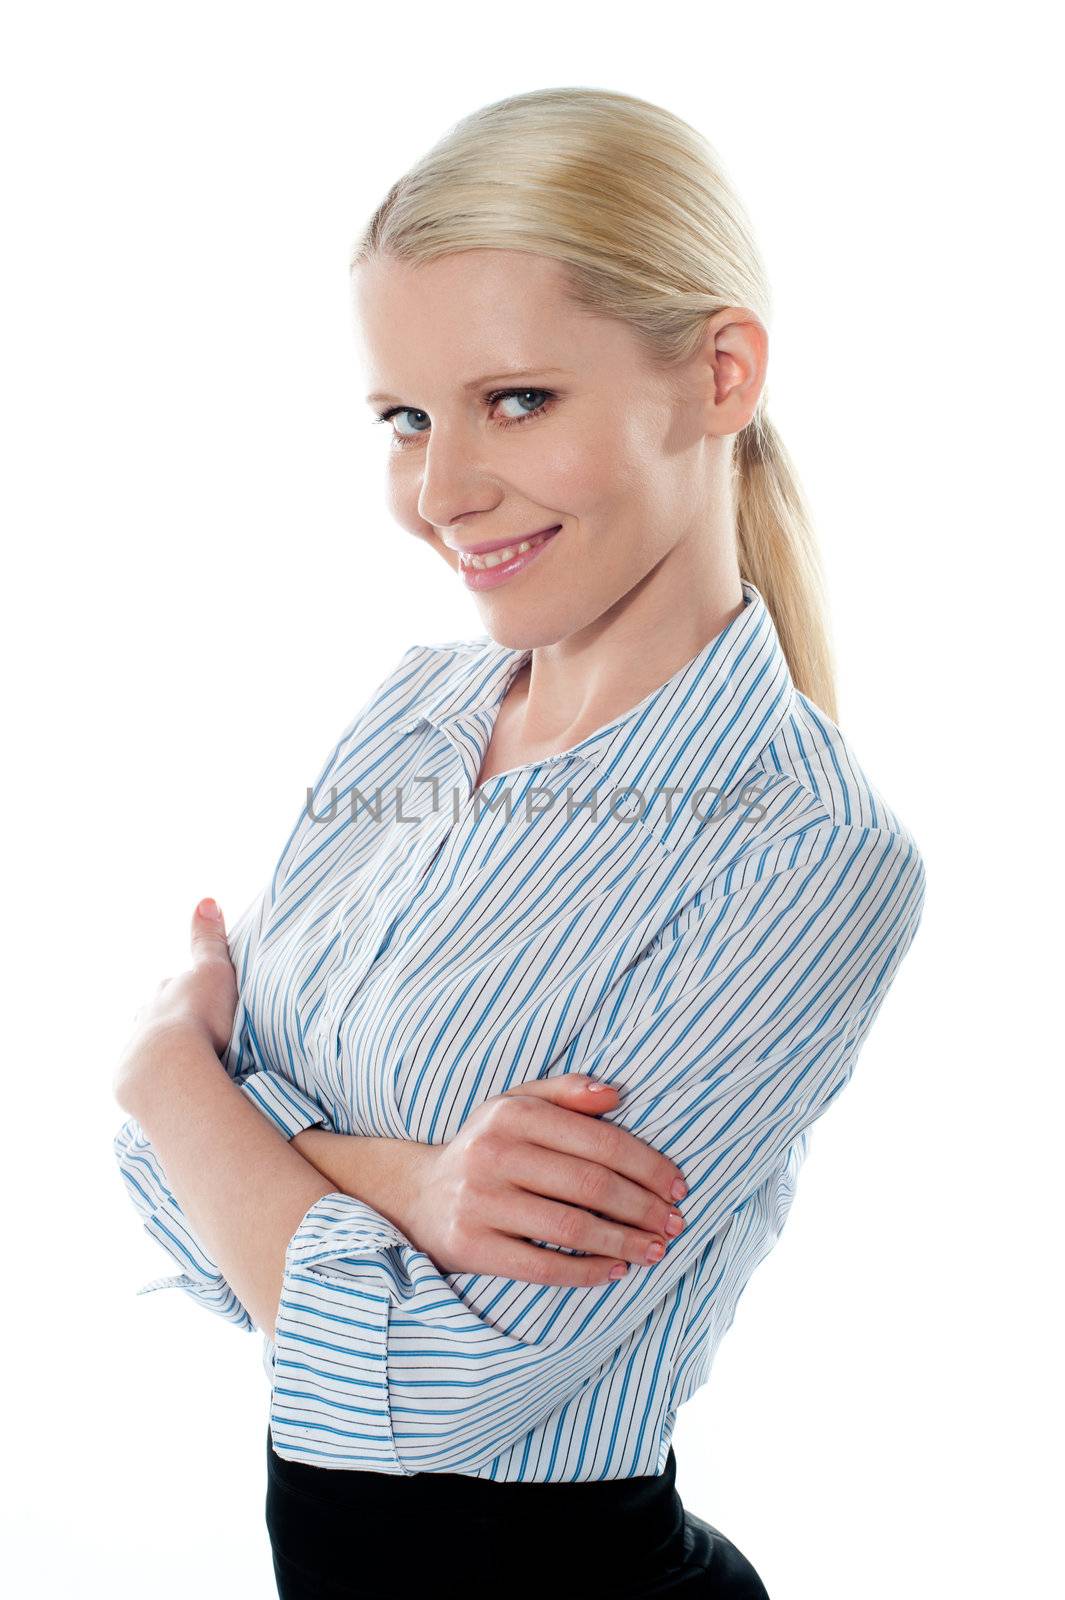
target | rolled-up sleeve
x=727, y=1038
x=287, y=1108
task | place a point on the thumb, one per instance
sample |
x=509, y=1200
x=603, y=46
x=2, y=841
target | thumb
x=209, y=931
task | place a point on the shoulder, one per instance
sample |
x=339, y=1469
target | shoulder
x=421, y=671
x=431, y=659
x=827, y=912
x=824, y=833
x=455, y=655
x=437, y=665
x=812, y=754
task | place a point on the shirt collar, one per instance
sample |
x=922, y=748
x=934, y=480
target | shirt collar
x=703, y=727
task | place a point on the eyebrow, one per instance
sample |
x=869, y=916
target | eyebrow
x=477, y=383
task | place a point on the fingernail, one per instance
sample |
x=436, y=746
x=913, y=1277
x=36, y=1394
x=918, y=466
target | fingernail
x=679, y=1189
x=208, y=909
x=597, y=1088
x=674, y=1223
x=655, y=1252
x=619, y=1271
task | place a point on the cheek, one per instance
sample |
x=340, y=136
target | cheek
x=573, y=477
x=402, y=499
x=603, y=465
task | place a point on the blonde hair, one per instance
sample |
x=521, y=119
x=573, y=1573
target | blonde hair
x=637, y=207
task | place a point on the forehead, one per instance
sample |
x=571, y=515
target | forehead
x=478, y=312
x=489, y=282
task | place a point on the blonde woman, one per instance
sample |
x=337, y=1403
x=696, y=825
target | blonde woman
x=582, y=927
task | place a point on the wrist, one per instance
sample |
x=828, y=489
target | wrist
x=314, y=1145
x=387, y=1174
x=401, y=1174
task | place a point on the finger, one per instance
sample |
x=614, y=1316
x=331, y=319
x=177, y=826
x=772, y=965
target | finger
x=594, y=1139
x=513, y=1258
x=525, y=1215
x=592, y=1094
x=598, y=1190
x=209, y=942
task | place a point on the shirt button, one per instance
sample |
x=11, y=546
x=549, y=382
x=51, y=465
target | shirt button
x=627, y=808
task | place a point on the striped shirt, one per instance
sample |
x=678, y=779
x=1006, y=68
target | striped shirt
x=703, y=903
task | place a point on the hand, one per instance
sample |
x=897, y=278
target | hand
x=204, y=997
x=481, y=1196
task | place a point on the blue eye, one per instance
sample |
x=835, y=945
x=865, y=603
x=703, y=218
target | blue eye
x=402, y=411
x=546, y=396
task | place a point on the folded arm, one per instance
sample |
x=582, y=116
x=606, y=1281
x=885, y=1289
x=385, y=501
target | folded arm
x=285, y=1109
x=727, y=1039
x=145, y=1173
x=225, y=1163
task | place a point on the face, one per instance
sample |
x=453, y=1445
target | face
x=594, y=440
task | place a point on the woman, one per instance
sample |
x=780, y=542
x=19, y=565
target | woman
x=583, y=925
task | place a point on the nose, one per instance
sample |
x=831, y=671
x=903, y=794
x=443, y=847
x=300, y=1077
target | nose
x=454, y=485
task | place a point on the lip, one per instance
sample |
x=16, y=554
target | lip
x=501, y=544
x=477, y=579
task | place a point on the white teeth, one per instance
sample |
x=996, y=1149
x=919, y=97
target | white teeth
x=494, y=557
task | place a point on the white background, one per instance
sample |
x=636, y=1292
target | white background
x=202, y=584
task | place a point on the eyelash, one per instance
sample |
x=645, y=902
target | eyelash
x=499, y=394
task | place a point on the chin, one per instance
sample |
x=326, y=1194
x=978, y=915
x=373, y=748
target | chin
x=517, y=632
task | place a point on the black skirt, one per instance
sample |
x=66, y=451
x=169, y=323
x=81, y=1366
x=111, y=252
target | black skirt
x=339, y=1535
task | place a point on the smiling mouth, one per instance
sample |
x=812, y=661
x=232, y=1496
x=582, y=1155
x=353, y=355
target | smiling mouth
x=495, y=558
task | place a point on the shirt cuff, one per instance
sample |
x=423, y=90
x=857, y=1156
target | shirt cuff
x=201, y=1279
x=328, y=1361
x=288, y=1108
